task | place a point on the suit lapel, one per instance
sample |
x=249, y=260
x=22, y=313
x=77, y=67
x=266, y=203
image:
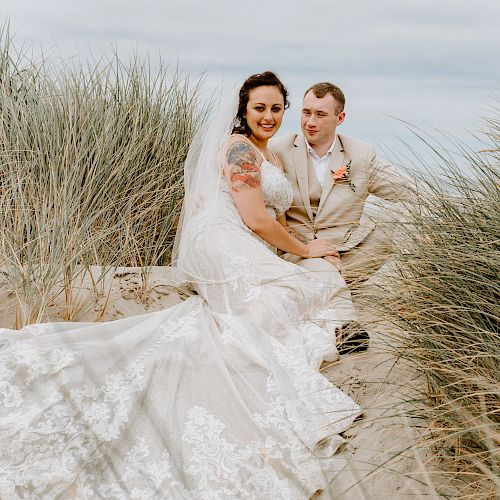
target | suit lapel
x=337, y=160
x=301, y=163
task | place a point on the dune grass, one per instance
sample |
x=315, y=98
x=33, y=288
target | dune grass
x=91, y=166
x=443, y=303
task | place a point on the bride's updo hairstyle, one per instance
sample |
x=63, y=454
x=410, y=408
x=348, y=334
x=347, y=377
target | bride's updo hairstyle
x=268, y=79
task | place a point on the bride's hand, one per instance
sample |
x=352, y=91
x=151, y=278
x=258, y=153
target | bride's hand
x=320, y=248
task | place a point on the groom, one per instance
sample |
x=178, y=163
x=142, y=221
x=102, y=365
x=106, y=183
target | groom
x=332, y=175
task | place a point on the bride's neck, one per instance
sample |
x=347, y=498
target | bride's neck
x=260, y=145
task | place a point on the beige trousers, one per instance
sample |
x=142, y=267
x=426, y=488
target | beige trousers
x=358, y=263
x=363, y=260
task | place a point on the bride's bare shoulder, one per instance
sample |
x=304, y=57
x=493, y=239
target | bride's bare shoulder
x=237, y=138
x=238, y=146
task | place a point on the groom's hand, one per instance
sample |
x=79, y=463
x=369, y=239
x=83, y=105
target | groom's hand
x=334, y=261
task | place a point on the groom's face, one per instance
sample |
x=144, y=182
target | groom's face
x=320, y=118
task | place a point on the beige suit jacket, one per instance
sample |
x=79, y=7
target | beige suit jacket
x=341, y=205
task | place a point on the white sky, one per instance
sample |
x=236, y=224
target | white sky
x=433, y=63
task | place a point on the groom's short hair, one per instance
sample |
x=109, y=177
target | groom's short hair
x=323, y=88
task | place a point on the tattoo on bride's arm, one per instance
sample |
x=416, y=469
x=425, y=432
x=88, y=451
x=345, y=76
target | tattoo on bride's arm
x=297, y=235
x=243, y=163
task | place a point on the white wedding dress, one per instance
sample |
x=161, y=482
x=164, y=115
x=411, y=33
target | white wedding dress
x=218, y=397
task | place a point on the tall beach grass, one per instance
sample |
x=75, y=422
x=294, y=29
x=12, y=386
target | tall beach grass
x=443, y=306
x=91, y=165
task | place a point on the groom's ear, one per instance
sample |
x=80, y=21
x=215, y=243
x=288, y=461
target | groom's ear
x=340, y=117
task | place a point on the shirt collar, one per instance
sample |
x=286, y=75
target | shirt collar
x=311, y=151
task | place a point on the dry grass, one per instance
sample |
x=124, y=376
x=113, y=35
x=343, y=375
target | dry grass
x=444, y=302
x=91, y=166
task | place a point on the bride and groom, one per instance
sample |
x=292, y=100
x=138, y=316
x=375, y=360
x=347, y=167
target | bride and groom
x=332, y=176
x=219, y=396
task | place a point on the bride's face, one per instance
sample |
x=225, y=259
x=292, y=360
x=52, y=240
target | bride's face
x=264, y=113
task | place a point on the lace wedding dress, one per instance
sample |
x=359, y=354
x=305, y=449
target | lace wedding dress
x=218, y=397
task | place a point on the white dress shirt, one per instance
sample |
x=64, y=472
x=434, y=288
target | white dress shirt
x=320, y=164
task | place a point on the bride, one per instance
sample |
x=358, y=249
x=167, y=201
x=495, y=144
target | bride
x=218, y=397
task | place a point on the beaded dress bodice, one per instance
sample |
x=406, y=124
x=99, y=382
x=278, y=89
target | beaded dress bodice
x=276, y=189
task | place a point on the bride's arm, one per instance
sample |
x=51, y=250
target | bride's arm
x=333, y=258
x=242, y=170
x=290, y=230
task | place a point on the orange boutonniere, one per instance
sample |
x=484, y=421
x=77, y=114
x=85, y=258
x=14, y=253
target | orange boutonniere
x=343, y=173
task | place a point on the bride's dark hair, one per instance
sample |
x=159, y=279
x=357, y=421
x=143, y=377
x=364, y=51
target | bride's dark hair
x=268, y=78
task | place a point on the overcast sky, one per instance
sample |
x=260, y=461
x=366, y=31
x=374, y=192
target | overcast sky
x=433, y=63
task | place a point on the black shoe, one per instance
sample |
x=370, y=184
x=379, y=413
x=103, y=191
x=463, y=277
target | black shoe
x=353, y=338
